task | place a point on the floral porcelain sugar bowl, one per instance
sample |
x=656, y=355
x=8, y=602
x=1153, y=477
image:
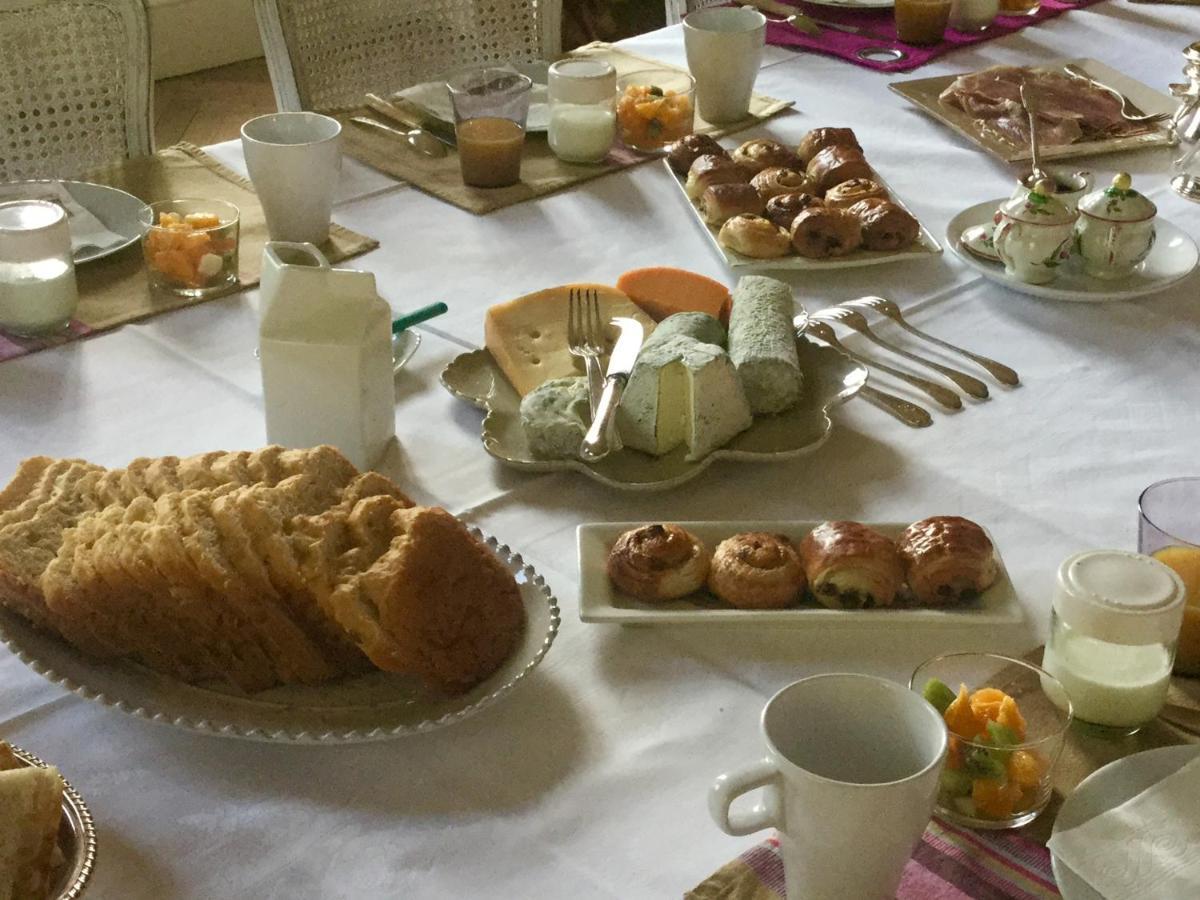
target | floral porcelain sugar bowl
x=1115, y=230
x=1033, y=234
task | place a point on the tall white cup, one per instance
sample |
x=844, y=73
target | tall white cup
x=724, y=51
x=294, y=159
x=849, y=781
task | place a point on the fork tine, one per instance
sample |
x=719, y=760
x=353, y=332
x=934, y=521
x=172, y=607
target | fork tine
x=572, y=319
x=595, y=334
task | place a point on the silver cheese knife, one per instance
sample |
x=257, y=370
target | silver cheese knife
x=598, y=442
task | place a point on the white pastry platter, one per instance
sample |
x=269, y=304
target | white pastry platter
x=366, y=708
x=601, y=602
x=830, y=378
x=1106, y=789
x=925, y=244
x=1172, y=259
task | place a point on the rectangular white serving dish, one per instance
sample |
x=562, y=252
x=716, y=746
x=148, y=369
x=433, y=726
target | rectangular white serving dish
x=601, y=602
x=925, y=244
x=924, y=93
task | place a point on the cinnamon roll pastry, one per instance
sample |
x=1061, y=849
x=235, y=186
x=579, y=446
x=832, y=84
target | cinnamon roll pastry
x=754, y=236
x=778, y=180
x=947, y=559
x=723, y=201
x=820, y=138
x=757, y=155
x=848, y=193
x=821, y=232
x=783, y=209
x=711, y=169
x=836, y=164
x=685, y=151
x=851, y=566
x=885, y=226
x=658, y=562
x=756, y=570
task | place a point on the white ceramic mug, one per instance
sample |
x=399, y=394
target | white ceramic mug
x=849, y=781
x=294, y=159
x=724, y=51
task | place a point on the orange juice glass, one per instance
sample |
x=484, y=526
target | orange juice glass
x=1169, y=530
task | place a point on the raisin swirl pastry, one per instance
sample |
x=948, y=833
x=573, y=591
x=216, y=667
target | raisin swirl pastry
x=848, y=193
x=711, y=169
x=821, y=232
x=885, y=226
x=760, y=154
x=836, y=164
x=851, y=566
x=820, y=138
x=754, y=236
x=658, y=562
x=947, y=559
x=778, y=180
x=756, y=570
x=686, y=150
x=723, y=201
x=783, y=209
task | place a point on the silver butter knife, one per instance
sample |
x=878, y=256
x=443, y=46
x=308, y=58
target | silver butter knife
x=598, y=442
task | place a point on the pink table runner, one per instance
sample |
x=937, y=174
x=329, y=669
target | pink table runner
x=879, y=30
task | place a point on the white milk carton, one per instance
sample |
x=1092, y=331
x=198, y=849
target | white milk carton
x=325, y=342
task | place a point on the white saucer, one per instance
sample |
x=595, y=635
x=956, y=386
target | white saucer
x=1106, y=789
x=1173, y=258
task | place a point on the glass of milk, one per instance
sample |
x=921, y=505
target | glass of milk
x=583, y=117
x=1114, y=625
x=37, y=271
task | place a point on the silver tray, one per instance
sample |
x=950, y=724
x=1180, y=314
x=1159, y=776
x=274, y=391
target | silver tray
x=830, y=378
x=76, y=839
x=925, y=244
x=367, y=708
x=924, y=93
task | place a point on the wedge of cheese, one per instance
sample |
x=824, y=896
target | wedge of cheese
x=682, y=391
x=555, y=417
x=663, y=291
x=528, y=336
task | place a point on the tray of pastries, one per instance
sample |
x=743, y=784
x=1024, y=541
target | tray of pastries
x=46, y=831
x=720, y=375
x=276, y=595
x=818, y=205
x=938, y=570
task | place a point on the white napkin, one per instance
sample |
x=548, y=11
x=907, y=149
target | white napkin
x=86, y=230
x=1146, y=847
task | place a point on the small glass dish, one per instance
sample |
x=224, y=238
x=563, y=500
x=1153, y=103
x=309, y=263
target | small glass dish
x=191, y=246
x=1000, y=775
x=655, y=107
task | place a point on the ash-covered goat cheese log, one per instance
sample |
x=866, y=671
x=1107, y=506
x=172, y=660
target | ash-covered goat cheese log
x=762, y=344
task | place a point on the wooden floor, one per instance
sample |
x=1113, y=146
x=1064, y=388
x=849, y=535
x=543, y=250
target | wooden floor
x=210, y=106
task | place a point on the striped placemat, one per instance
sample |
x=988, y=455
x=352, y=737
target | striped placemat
x=950, y=863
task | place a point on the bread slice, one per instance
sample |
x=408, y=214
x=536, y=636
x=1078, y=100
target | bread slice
x=31, y=798
x=48, y=484
x=26, y=479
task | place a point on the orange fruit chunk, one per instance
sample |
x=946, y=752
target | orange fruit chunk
x=986, y=702
x=1024, y=769
x=1010, y=716
x=202, y=220
x=994, y=799
x=961, y=718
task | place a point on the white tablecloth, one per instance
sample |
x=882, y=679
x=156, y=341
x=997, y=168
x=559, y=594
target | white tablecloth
x=590, y=780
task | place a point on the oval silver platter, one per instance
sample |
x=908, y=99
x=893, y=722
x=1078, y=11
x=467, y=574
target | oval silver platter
x=372, y=707
x=830, y=378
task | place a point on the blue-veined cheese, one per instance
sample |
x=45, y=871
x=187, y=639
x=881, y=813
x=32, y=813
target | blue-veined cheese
x=762, y=343
x=555, y=417
x=682, y=391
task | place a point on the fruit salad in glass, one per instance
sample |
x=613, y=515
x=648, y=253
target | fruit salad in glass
x=191, y=246
x=655, y=108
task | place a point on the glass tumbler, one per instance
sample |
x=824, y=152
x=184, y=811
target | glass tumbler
x=37, y=271
x=490, y=109
x=191, y=246
x=1169, y=530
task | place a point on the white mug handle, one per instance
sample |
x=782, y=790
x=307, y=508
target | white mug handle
x=730, y=786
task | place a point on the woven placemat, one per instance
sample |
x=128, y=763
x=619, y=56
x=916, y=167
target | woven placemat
x=115, y=290
x=541, y=171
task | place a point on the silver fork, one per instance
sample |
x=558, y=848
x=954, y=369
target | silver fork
x=942, y=395
x=858, y=322
x=999, y=371
x=585, y=338
x=1129, y=111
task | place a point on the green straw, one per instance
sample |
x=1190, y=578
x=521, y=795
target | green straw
x=424, y=314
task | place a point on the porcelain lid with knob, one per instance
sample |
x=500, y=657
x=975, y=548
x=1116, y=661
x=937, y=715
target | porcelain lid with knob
x=1038, y=206
x=1118, y=202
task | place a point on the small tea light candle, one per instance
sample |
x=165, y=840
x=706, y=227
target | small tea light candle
x=37, y=271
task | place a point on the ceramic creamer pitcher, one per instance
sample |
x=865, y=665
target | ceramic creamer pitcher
x=325, y=342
